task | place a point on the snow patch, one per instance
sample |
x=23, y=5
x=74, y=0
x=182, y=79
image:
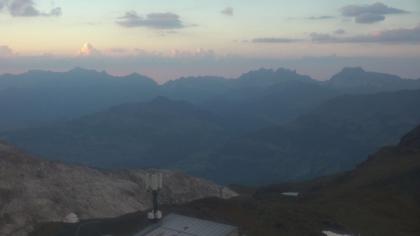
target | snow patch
x=71, y=218
x=290, y=194
x=330, y=233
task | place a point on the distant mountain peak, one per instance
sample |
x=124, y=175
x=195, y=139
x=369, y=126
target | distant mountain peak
x=262, y=70
x=37, y=71
x=267, y=71
x=83, y=70
x=273, y=76
x=136, y=76
x=285, y=70
x=359, y=73
x=348, y=73
x=352, y=70
x=360, y=81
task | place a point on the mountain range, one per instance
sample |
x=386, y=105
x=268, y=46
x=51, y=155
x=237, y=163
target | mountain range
x=38, y=98
x=158, y=133
x=334, y=137
x=265, y=126
x=43, y=97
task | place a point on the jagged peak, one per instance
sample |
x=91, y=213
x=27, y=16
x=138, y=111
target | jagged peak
x=279, y=73
x=358, y=73
x=285, y=70
x=136, y=75
x=349, y=73
x=352, y=70
x=84, y=70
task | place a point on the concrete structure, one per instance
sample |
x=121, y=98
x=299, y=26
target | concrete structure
x=178, y=225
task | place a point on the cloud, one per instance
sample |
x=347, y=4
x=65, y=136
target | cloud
x=368, y=14
x=5, y=51
x=117, y=50
x=320, y=17
x=393, y=36
x=166, y=20
x=228, y=11
x=275, y=40
x=199, y=53
x=88, y=50
x=339, y=31
x=396, y=36
x=376, y=8
x=26, y=8
x=369, y=18
x=323, y=38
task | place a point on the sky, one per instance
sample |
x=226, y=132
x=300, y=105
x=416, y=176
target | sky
x=167, y=39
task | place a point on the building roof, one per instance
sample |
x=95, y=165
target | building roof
x=178, y=225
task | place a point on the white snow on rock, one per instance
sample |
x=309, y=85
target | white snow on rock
x=290, y=194
x=330, y=233
x=71, y=218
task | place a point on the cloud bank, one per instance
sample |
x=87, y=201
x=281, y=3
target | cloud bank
x=275, y=40
x=5, y=51
x=326, y=17
x=339, y=31
x=368, y=14
x=228, y=11
x=26, y=8
x=395, y=36
x=166, y=20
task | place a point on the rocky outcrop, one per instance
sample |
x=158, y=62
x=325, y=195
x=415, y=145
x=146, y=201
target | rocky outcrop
x=33, y=191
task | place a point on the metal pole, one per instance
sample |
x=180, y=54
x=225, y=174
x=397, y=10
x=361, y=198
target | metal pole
x=155, y=201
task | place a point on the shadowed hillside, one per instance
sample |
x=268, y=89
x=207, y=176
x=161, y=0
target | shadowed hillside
x=379, y=197
x=41, y=97
x=158, y=133
x=334, y=137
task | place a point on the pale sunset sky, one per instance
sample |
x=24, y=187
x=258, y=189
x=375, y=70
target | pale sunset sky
x=166, y=39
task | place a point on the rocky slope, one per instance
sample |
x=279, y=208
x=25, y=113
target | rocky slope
x=33, y=191
x=381, y=196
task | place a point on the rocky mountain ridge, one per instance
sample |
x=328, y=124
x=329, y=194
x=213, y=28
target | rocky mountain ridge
x=33, y=191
